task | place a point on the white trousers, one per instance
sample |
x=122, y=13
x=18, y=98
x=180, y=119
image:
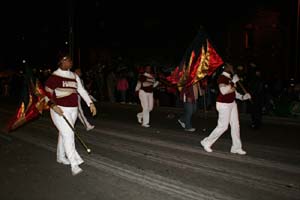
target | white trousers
x=66, y=141
x=147, y=106
x=228, y=114
x=81, y=115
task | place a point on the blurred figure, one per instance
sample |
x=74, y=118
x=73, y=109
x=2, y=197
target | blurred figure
x=144, y=87
x=111, y=86
x=256, y=88
x=81, y=115
x=189, y=96
x=122, y=87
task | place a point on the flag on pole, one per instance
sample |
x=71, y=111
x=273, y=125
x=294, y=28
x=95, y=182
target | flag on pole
x=200, y=60
x=32, y=105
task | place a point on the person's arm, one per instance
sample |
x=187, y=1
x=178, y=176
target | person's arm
x=155, y=84
x=82, y=91
x=85, y=96
x=226, y=89
x=238, y=95
x=49, y=89
x=138, y=86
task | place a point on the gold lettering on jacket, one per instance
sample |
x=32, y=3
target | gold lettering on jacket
x=70, y=84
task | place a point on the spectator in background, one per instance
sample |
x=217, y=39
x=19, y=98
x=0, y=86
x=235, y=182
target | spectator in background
x=111, y=86
x=256, y=89
x=122, y=87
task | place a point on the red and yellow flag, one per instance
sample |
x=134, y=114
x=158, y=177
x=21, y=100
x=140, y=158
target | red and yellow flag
x=30, y=109
x=200, y=60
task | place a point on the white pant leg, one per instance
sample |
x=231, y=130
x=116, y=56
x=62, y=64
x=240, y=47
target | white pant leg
x=67, y=134
x=235, y=128
x=60, y=151
x=224, y=110
x=147, y=105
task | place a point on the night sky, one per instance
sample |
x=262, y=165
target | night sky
x=37, y=30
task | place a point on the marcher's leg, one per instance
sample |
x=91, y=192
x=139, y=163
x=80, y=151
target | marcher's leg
x=82, y=117
x=188, y=111
x=67, y=135
x=78, y=158
x=182, y=118
x=80, y=110
x=145, y=106
x=235, y=132
x=150, y=100
x=224, y=111
x=61, y=155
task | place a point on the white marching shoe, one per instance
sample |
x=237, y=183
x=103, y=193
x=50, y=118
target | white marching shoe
x=238, y=151
x=139, y=118
x=76, y=170
x=206, y=147
x=90, y=127
x=63, y=161
x=182, y=124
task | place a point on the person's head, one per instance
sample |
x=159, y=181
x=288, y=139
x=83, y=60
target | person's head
x=228, y=67
x=65, y=62
x=148, y=69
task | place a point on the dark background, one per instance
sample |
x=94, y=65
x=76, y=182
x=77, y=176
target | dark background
x=160, y=30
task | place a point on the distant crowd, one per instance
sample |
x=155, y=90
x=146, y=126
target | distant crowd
x=116, y=84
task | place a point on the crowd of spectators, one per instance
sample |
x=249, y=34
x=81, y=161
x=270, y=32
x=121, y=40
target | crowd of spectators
x=116, y=84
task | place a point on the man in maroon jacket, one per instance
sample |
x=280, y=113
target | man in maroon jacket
x=63, y=88
x=228, y=112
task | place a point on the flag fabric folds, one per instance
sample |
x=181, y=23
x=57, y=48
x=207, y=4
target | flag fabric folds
x=200, y=60
x=32, y=105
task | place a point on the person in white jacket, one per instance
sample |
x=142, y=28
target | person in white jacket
x=88, y=126
x=145, y=85
x=63, y=87
x=227, y=112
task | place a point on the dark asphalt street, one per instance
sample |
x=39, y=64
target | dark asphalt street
x=160, y=162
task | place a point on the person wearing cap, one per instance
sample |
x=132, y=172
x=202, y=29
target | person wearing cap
x=227, y=112
x=62, y=88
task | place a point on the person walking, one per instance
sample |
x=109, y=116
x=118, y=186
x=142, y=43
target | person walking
x=189, y=95
x=88, y=126
x=227, y=111
x=144, y=87
x=62, y=88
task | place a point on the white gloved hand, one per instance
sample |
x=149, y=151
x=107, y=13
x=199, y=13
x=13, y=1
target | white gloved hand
x=235, y=78
x=93, y=109
x=246, y=96
x=58, y=110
